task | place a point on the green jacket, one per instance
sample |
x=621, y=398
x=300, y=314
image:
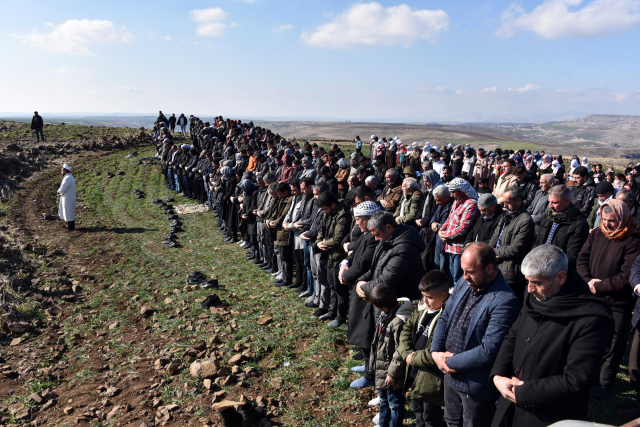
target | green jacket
x=385, y=358
x=280, y=209
x=592, y=219
x=428, y=386
x=334, y=228
x=412, y=206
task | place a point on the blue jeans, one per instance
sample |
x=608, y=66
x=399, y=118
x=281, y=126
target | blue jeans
x=184, y=129
x=454, y=264
x=170, y=178
x=307, y=266
x=441, y=261
x=177, y=183
x=391, y=408
x=39, y=134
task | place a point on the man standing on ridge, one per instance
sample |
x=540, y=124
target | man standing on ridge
x=37, y=124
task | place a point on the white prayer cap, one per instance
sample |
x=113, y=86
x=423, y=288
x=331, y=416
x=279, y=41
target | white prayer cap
x=66, y=166
x=373, y=136
x=396, y=138
x=415, y=144
x=185, y=146
x=366, y=209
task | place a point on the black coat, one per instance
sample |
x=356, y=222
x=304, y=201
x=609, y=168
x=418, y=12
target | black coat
x=361, y=319
x=483, y=228
x=397, y=263
x=570, y=235
x=249, y=203
x=36, y=122
x=556, y=348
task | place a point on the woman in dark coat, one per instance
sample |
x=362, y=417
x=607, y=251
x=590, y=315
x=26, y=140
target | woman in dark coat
x=249, y=204
x=361, y=319
x=431, y=180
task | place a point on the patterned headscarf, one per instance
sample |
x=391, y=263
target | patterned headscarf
x=464, y=186
x=626, y=224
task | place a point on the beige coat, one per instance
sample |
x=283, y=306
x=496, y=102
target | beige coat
x=504, y=182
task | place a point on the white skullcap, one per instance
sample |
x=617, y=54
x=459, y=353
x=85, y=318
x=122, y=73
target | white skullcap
x=185, y=146
x=366, y=209
x=66, y=166
x=373, y=136
x=415, y=144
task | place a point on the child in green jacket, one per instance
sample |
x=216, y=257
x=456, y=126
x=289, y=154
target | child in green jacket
x=422, y=375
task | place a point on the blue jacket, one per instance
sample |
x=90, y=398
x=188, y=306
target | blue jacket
x=490, y=323
x=440, y=216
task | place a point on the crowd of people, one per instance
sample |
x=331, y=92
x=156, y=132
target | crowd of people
x=491, y=288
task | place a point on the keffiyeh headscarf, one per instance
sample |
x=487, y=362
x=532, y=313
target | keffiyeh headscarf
x=366, y=209
x=626, y=224
x=464, y=186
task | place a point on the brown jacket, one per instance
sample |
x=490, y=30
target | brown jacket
x=342, y=176
x=280, y=210
x=392, y=195
x=504, y=182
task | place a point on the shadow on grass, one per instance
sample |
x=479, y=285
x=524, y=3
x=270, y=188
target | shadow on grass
x=117, y=230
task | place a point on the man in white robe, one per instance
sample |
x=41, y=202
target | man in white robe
x=67, y=193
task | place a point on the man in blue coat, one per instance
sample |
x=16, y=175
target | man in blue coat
x=468, y=336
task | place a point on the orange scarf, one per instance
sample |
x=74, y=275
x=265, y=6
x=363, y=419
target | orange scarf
x=629, y=229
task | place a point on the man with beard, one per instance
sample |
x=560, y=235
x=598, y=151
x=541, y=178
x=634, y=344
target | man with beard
x=506, y=180
x=564, y=226
x=392, y=193
x=547, y=362
x=468, y=335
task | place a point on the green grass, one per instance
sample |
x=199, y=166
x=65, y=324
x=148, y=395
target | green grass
x=561, y=128
x=64, y=133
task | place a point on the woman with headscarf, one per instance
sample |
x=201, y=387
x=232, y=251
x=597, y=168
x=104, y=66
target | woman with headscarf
x=481, y=169
x=402, y=155
x=431, y=180
x=558, y=170
x=585, y=163
x=530, y=164
x=457, y=162
x=342, y=176
x=605, y=263
x=545, y=166
x=469, y=161
x=381, y=152
x=287, y=168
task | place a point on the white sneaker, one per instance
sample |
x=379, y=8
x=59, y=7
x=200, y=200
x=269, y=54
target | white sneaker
x=241, y=242
x=279, y=277
x=376, y=419
x=374, y=402
x=275, y=274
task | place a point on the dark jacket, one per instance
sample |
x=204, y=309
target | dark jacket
x=36, y=122
x=610, y=261
x=489, y=324
x=429, y=382
x=397, y=263
x=249, y=204
x=517, y=239
x=634, y=280
x=582, y=196
x=556, y=348
x=334, y=228
x=570, y=235
x=529, y=185
x=385, y=359
x=361, y=321
x=440, y=217
x=483, y=229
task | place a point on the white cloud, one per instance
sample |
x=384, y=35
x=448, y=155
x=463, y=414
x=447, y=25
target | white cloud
x=441, y=89
x=489, y=89
x=167, y=38
x=73, y=36
x=557, y=19
x=371, y=24
x=282, y=28
x=527, y=88
x=68, y=70
x=210, y=21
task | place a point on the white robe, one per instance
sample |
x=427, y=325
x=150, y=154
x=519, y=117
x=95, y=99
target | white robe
x=67, y=192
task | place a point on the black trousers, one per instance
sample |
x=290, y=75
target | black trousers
x=634, y=363
x=301, y=272
x=427, y=415
x=611, y=365
x=339, y=295
x=71, y=225
x=462, y=411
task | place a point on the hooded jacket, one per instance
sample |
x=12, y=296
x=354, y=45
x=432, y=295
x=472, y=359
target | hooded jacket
x=385, y=358
x=397, y=263
x=517, y=238
x=611, y=262
x=556, y=348
x=570, y=235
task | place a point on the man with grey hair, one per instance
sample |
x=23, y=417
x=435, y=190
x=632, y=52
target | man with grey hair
x=308, y=169
x=564, y=226
x=392, y=193
x=512, y=238
x=490, y=213
x=372, y=182
x=549, y=358
x=630, y=199
x=409, y=203
x=539, y=205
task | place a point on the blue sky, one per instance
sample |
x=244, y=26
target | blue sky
x=415, y=61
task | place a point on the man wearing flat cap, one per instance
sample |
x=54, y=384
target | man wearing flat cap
x=67, y=193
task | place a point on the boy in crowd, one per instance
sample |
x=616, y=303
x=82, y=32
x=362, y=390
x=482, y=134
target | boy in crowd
x=423, y=375
x=386, y=364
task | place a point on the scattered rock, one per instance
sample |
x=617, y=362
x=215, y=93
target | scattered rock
x=15, y=342
x=236, y=360
x=113, y=325
x=173, y=367
x=276, y=382
x=112, y=391
x=225, y=404
x=265, y=321
x=68, y=410
x=49, y=404
x=146, y=311
x=204, y=368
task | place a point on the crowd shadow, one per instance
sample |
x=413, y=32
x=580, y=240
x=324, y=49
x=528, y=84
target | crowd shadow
x=116, y=230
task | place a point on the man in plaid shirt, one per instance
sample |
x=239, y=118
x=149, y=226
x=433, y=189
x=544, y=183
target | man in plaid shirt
x=462, y=217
